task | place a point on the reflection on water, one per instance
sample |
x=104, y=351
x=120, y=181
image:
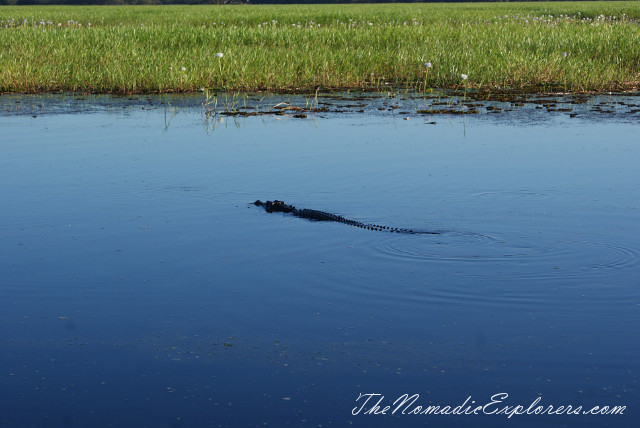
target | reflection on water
x=141, y=287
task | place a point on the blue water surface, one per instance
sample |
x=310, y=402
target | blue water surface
x=139, y=287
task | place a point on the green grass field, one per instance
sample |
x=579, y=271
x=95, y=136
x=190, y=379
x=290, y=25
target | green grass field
x=573, y=46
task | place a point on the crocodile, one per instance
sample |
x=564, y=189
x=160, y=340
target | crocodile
x=315, y=215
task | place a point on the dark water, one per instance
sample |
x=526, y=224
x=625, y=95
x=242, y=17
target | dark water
x=140, y=288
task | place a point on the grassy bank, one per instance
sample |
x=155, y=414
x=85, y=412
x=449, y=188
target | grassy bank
x=573, y=46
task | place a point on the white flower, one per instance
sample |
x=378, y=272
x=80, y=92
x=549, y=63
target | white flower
x=427, y=65
x=464, y=76
x=219, y=55
x=183, y=68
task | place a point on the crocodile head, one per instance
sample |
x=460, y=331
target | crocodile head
x=275, y=206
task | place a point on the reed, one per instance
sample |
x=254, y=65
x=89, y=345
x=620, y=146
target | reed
x=573, y=46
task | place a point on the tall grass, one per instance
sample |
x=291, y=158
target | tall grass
x=298, y=48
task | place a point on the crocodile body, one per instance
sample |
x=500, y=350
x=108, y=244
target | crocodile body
x=315, y=215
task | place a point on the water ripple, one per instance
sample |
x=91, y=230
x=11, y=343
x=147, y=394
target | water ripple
x=458, y=246
x=532, y=258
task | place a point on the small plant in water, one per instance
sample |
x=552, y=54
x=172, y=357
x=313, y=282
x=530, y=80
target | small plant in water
x=313, y=104
x=229, y=104
x=427, y=66
x=464, y=77
x=210, y=104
